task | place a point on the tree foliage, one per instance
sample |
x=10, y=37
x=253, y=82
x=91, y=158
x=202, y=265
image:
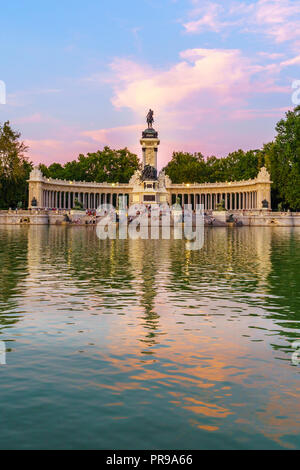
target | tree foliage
x=14, y=168
x=282, y=158
x=193, y=168
x=107, y=165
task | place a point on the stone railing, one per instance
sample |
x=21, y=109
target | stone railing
x=227, y=184
x=84, y=184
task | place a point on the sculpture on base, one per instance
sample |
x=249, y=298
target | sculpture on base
x=150, y=132
x=150, y=119
x=149, y=173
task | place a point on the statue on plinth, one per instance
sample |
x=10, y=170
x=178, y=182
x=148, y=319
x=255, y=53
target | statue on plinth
x=149, y=173
x=150, y=119
x=150, y=133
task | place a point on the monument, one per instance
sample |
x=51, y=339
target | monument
x=148, y=186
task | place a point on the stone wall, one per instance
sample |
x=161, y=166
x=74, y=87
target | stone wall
x=240, y=218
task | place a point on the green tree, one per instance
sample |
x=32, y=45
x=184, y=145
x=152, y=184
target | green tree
x=186, y=168
x=56, y=171
x=242, y=165
x=14, y=168
x=108, y=165
x=282, y=159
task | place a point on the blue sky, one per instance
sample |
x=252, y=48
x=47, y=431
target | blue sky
x=80, y=75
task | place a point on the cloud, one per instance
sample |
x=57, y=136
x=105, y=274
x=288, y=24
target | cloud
x=202, y=79
x=31, y=119
x=24, y=97
x=197, y=100
x=116, y=137
x=271, y=55
x=249, y=114
x=293, y=61
x=278, y=19
x=200, y=70
x=200, y=102
x=57, y=150
x=208, y=20
x=104, y=136
x=70, y=143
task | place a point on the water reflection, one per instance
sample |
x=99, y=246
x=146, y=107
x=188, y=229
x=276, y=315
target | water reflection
x=196, y=342
x=13, y=254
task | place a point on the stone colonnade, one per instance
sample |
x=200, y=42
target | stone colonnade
x=62, y=199
x=240, y=200
x=237, y=195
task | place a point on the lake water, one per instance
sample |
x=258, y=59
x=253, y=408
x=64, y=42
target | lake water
x=140, y=344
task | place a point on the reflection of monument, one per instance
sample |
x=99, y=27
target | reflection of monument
x=144, y=259
x=13, y=250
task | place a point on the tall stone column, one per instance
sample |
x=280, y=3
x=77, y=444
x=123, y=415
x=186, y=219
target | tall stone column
x=150, y=143
x=36, y=180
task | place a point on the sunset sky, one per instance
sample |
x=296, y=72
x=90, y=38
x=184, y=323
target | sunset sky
x=81, y=75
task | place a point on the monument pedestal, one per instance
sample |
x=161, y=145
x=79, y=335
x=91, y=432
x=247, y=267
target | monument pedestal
x=148, y=188
x=150, y=143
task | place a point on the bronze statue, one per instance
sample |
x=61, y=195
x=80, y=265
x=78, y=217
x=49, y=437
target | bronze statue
x=149, y=173
x=150, y=118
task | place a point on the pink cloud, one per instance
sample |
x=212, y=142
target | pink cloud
x=200, y=104
x=248, y=114
x=272, y=56
x=115, y=134
x=33, y=118
x=209, y=19
x=202, y=79
x=278, y=19
x=69, y=146
x=194, y=100
x=293, y=61
x=222, y=73
x=275, y=11
x=48, y=151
